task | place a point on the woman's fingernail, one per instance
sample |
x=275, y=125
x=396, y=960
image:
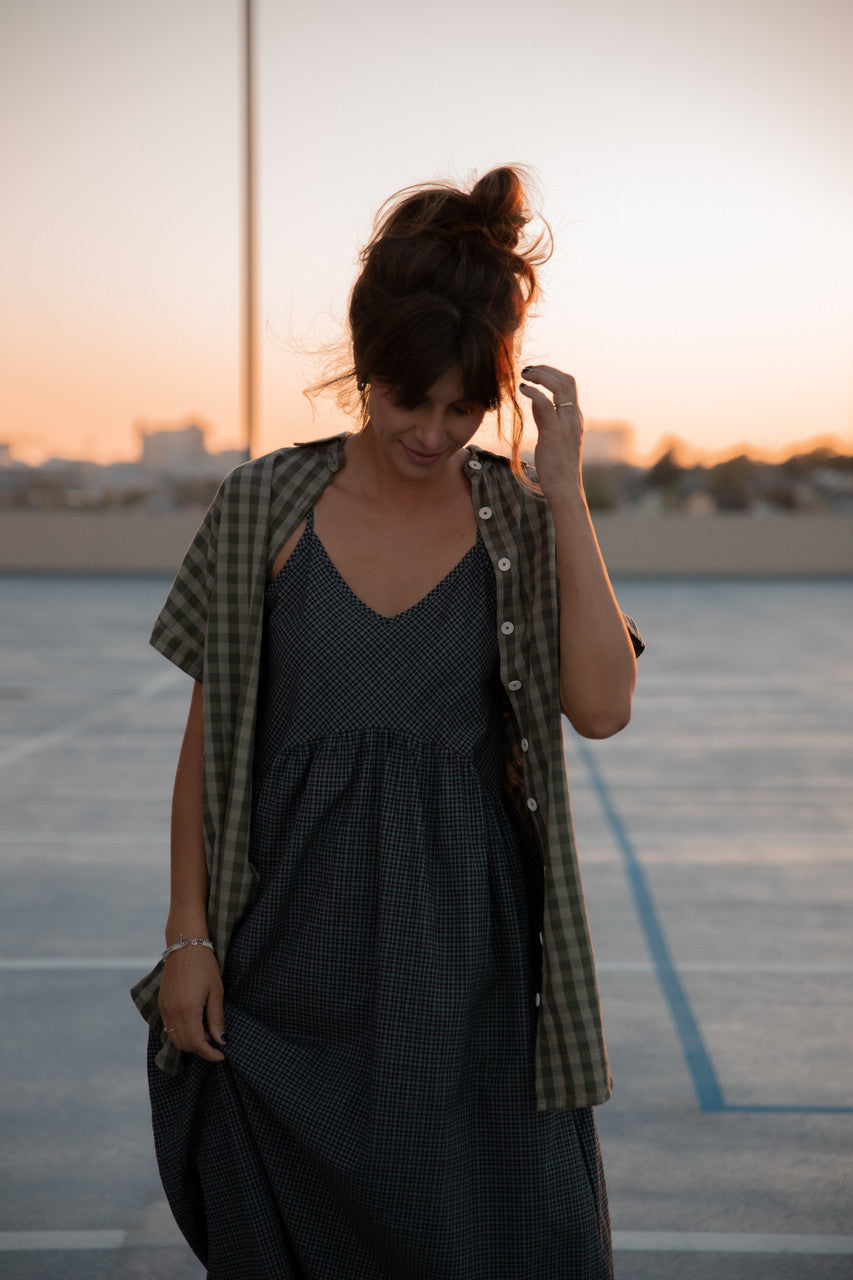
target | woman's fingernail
x=527, y=369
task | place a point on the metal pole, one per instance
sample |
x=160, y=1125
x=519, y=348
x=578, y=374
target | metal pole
x=249, y=240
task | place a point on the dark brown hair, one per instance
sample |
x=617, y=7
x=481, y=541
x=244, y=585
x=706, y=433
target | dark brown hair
x=447, y=278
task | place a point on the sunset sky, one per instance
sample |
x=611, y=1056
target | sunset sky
x=694, y=162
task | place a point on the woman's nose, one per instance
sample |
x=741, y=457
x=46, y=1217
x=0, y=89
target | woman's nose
x=431, y=427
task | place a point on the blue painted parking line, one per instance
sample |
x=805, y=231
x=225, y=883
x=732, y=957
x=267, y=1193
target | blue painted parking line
x=706, y=1085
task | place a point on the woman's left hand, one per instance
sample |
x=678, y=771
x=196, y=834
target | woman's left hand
x=559, y=421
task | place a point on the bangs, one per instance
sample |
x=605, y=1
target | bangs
x=423, y=337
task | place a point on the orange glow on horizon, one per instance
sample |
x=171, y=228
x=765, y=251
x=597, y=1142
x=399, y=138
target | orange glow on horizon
x=702, y=275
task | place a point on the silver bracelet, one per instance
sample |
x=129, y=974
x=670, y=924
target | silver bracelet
x=187, y=942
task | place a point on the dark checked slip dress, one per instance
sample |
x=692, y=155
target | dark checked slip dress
x=376, y=1116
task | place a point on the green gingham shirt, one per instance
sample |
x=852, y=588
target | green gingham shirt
x=211, y=626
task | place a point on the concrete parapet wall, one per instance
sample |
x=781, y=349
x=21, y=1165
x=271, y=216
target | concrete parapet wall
x=142, y=542
x=736, y=545
x=120, y=542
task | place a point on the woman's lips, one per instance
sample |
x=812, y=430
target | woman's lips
x=423, y=458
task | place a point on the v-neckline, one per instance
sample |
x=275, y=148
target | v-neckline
x=390, y=617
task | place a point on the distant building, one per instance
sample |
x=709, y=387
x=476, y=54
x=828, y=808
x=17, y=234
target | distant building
x=173, y=451
x=606, y=442
x=226, y=460
x=181, y=453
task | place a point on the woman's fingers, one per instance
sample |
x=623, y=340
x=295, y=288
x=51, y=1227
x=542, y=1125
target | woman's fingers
x=215, y=1016
x=191, y=1004
x=190, y=1035
x=185, y=1028
x=535, y=395
x=542, y=405
x=209, y=1052
x=554, y=399
x=561, y=385
x=560, y=407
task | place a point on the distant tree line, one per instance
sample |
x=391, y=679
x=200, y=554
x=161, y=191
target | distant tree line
x=814, y=481
x=821, y=479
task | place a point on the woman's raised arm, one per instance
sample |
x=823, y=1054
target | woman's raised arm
x=597, y=663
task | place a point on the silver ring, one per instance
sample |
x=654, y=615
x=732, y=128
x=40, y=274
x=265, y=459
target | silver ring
x=567, y=404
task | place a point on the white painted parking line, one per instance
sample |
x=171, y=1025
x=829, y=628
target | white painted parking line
x=65, y=964
x=723, y=966
x=169, y=679
x=37, y=1241
x=54, y=737
x=82, y=839
x=728, y=1242
x=623, y=1242
x=23, y=964
x=41, y=742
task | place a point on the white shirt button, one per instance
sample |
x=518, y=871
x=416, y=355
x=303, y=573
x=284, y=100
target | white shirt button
x=532, y=805
x=504, y=564
x=485, y=513
x=474, y=465
x=524, y=744
x=514, y=685
x=507, y=628
x=538, y=1000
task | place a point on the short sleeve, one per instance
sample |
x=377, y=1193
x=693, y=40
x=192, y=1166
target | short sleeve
x=634, y=635
x=181, y=626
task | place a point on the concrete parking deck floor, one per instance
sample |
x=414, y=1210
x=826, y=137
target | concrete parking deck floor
x=717, y=840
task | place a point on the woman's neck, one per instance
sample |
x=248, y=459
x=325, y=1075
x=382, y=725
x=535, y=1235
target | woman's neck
x=370, y=473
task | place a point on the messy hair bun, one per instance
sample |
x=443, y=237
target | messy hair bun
x=494, y=209
x=447, y=278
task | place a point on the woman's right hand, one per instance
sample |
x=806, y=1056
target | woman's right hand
x=191, y=1002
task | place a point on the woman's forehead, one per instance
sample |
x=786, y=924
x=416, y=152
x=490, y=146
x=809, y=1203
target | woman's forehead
x=450, y=385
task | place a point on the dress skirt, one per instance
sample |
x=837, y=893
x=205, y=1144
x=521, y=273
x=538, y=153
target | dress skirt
x=375, y=1118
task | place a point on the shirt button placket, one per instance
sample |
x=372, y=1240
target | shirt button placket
x=507, y=629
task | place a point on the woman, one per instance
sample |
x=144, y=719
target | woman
x=390, y=1076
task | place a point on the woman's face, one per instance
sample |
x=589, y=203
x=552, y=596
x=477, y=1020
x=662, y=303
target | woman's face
x=420, y=441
